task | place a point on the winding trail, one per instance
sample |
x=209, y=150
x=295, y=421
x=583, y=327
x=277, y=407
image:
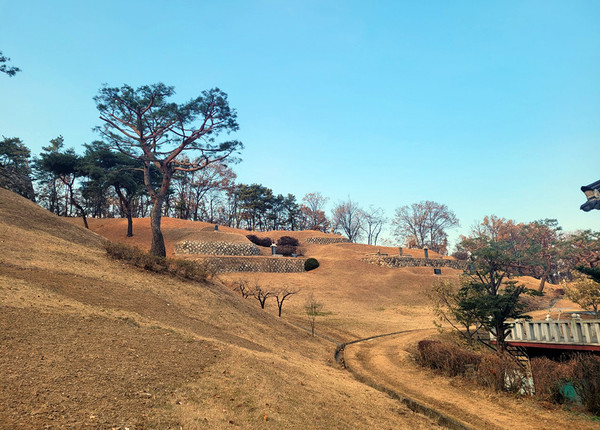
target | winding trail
x=384, y=363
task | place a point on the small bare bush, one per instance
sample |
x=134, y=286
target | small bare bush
x=186, y=269
x=500, y=372
x=449, y=359
x=242, y=286
x=586, y=380
x=136, y=257
x=549, y=377
x=313, y=309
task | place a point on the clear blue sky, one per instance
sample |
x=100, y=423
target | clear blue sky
x=491, y=107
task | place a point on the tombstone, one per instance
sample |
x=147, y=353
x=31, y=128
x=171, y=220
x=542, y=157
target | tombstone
x=400, y=250
x=437, y=271
x=426, y=253
x=273, y=249
x=216, y=227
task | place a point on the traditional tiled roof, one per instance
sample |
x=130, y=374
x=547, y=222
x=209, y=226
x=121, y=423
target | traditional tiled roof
x=592, y=192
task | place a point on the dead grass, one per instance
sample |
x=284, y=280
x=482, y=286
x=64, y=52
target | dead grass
x=86, y=341
x=145, y=350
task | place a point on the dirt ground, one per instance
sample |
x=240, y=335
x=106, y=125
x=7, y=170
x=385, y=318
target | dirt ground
x=387, y=361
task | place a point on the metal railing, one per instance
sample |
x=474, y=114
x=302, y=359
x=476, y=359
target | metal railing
x=574, y=331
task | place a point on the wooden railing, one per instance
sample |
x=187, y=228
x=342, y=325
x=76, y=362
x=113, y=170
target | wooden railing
x=573, y=331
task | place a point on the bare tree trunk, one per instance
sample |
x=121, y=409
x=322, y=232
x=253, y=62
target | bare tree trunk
x=81, y=210
x=158, y=242
x=126, y=208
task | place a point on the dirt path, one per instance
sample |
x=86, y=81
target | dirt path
x=385, y=362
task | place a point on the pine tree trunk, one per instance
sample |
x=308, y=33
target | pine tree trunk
x=158, y=242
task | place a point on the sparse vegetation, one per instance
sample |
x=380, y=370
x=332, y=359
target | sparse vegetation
x=448, y=358
x=500, y=372
x=184, y=269
x=312, y=308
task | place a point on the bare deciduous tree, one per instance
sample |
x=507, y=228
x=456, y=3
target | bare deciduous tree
x=281, y=295
x=425, y=224
x=348, y=217
x=313, y=309
x=313, y=210
x=374, y=220
x=261, y=295
x=243, y=288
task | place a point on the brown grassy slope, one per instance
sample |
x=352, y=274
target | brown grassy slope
x=86, y=341
x=359, y=299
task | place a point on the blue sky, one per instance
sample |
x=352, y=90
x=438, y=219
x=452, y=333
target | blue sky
x=489, y=107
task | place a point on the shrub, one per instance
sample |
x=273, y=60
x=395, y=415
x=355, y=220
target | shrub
x=136, y=257
x=549, y=378
x=260, y=241
x=500, y=372
x=586, y=380
x=449, y=359
x=461, y=255
x=287, y=240
x=286, y=250
x=189, y=269
x=311, y=264
x=185, y=269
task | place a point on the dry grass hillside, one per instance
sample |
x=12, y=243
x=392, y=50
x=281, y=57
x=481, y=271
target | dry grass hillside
x=86, y=341
x=89, y=342
x=359, y=299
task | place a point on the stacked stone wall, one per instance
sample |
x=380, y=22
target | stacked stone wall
x=254, y=264
x=216, y=248
x=326, y=240
x=402, y=261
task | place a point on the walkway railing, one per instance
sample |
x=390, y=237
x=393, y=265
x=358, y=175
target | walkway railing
x=574, y=331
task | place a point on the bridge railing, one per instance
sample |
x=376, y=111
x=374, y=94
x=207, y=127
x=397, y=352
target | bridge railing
x=574, y=331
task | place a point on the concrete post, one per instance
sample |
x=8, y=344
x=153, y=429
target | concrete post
x=426, y=250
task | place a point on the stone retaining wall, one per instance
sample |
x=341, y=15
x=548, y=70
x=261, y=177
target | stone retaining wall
x=254, y=264
x=215, y=248
x=326, y=240
x=398, y=261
